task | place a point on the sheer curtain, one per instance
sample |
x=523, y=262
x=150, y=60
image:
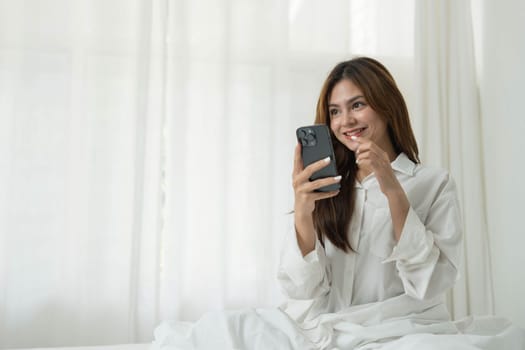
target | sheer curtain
x=146, y=152
x=80, y=126
x=449, y=129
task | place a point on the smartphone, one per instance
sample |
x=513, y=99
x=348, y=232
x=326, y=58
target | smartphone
x=316, y=145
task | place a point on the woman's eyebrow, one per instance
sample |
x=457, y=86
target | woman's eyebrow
x=347, y=102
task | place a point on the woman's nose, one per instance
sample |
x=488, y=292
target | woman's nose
x=349, y=118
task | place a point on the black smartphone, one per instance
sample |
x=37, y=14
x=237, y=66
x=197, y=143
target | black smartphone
x=316, y=144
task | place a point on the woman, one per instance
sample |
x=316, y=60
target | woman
x=391, y=237
x=366, y=267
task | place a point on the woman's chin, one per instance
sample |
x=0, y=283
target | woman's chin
x=351, y=145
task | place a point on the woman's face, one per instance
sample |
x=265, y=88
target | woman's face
x=350, y=115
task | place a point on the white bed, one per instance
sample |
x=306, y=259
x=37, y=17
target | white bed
x=270, y=329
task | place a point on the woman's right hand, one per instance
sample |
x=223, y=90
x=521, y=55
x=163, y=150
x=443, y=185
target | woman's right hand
x=304, y=189
x=305, y=197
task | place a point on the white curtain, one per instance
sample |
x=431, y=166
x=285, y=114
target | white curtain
x=146, y=152
x=449, y=129
x=80, y=123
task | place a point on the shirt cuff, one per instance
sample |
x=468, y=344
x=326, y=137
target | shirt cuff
x=314, y=254
x=415, y=243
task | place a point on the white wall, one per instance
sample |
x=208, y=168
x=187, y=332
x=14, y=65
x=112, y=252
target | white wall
x=502, y=88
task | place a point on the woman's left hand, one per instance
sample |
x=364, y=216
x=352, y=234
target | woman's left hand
x=372, y=158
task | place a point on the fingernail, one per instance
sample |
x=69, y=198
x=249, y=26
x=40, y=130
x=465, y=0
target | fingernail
x=327, y=160
x=337, y=178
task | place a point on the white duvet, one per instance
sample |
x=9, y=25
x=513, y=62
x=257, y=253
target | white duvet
x=267, y=329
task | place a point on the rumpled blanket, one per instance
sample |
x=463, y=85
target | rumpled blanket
x=267, y=329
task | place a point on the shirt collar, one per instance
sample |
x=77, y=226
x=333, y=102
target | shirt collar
x=403, y=164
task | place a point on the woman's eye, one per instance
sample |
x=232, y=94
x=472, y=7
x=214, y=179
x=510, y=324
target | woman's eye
x=334, y=112
x=357, y=105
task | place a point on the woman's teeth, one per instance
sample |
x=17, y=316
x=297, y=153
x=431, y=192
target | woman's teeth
x=355, y=132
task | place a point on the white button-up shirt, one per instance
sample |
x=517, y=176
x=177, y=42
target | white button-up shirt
x=421, y=267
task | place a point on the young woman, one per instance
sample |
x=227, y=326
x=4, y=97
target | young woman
x=390, y=239
x=365, y=267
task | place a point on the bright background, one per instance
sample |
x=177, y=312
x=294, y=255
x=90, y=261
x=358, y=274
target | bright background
x=146, y=149
x=501, y=75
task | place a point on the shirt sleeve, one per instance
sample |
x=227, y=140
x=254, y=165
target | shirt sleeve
x=303, y=277
x=428, y=254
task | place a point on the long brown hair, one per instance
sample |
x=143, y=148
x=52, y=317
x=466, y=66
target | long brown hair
x=332, y=216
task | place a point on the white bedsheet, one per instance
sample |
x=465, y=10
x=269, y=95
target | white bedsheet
x=268, y=329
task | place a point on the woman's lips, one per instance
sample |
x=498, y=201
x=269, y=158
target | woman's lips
x=354, y=132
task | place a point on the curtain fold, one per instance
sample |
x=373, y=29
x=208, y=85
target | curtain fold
x=149, y=192
x=449, y=129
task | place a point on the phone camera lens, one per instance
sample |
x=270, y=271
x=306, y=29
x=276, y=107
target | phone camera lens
x=310, y=138
x=307, y=137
